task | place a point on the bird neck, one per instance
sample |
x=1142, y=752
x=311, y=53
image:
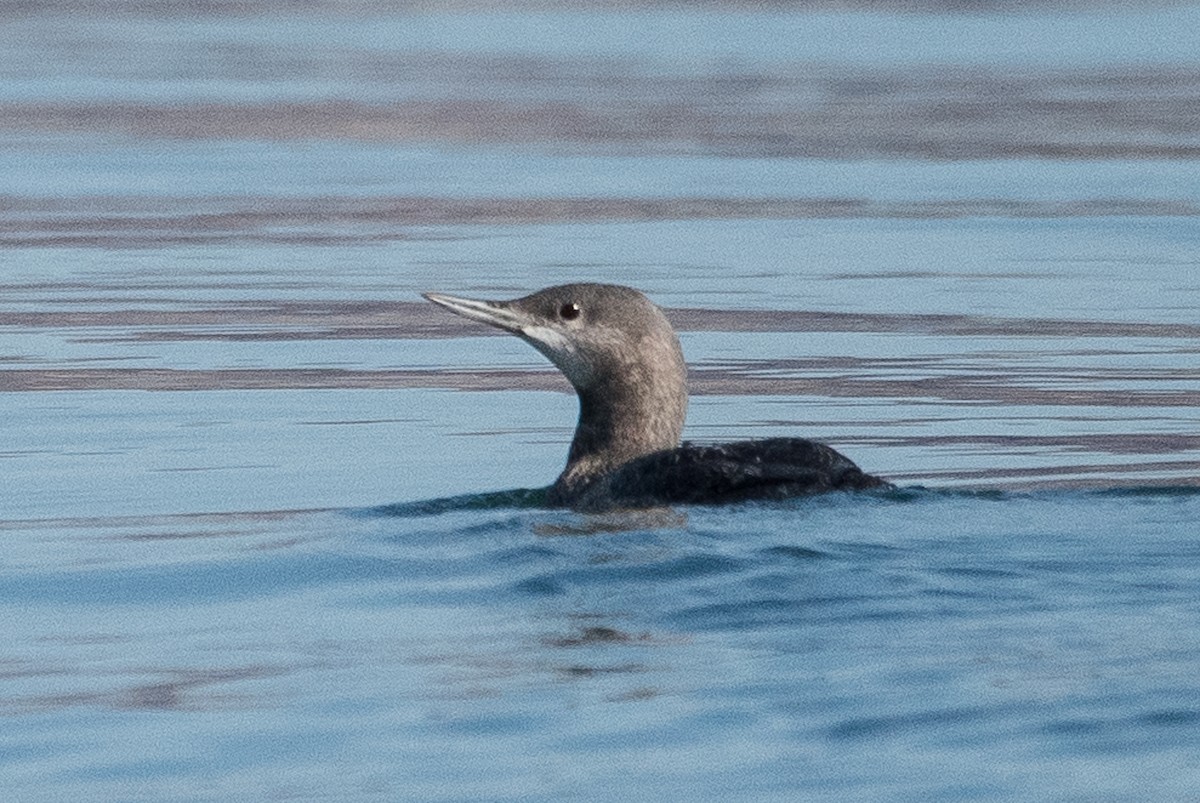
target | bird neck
x=621, y=421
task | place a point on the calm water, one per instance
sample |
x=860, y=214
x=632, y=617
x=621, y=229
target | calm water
x=259, y=539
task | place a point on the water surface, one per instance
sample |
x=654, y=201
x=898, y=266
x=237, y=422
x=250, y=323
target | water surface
x=259, y=530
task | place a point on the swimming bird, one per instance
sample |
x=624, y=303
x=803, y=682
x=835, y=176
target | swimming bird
x=623, y=358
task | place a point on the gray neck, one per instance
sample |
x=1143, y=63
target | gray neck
x=640, y=413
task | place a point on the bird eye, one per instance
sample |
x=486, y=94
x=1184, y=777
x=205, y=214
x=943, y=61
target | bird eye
x=569, y=312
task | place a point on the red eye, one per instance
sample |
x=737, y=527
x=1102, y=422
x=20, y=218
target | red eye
x=569, y=312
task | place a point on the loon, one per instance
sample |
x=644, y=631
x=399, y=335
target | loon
x=624, y=360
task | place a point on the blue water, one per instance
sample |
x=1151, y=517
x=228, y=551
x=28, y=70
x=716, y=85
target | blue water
x=916, y=644
x=260, y=538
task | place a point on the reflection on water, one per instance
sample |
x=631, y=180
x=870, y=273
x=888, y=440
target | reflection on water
x=930, y=398
x=118, y=223
x=506, y=658
x=726, y=82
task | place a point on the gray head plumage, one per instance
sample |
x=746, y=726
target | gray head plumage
x=618, y=351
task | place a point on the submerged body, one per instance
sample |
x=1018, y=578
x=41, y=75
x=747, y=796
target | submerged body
x=624, y=360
